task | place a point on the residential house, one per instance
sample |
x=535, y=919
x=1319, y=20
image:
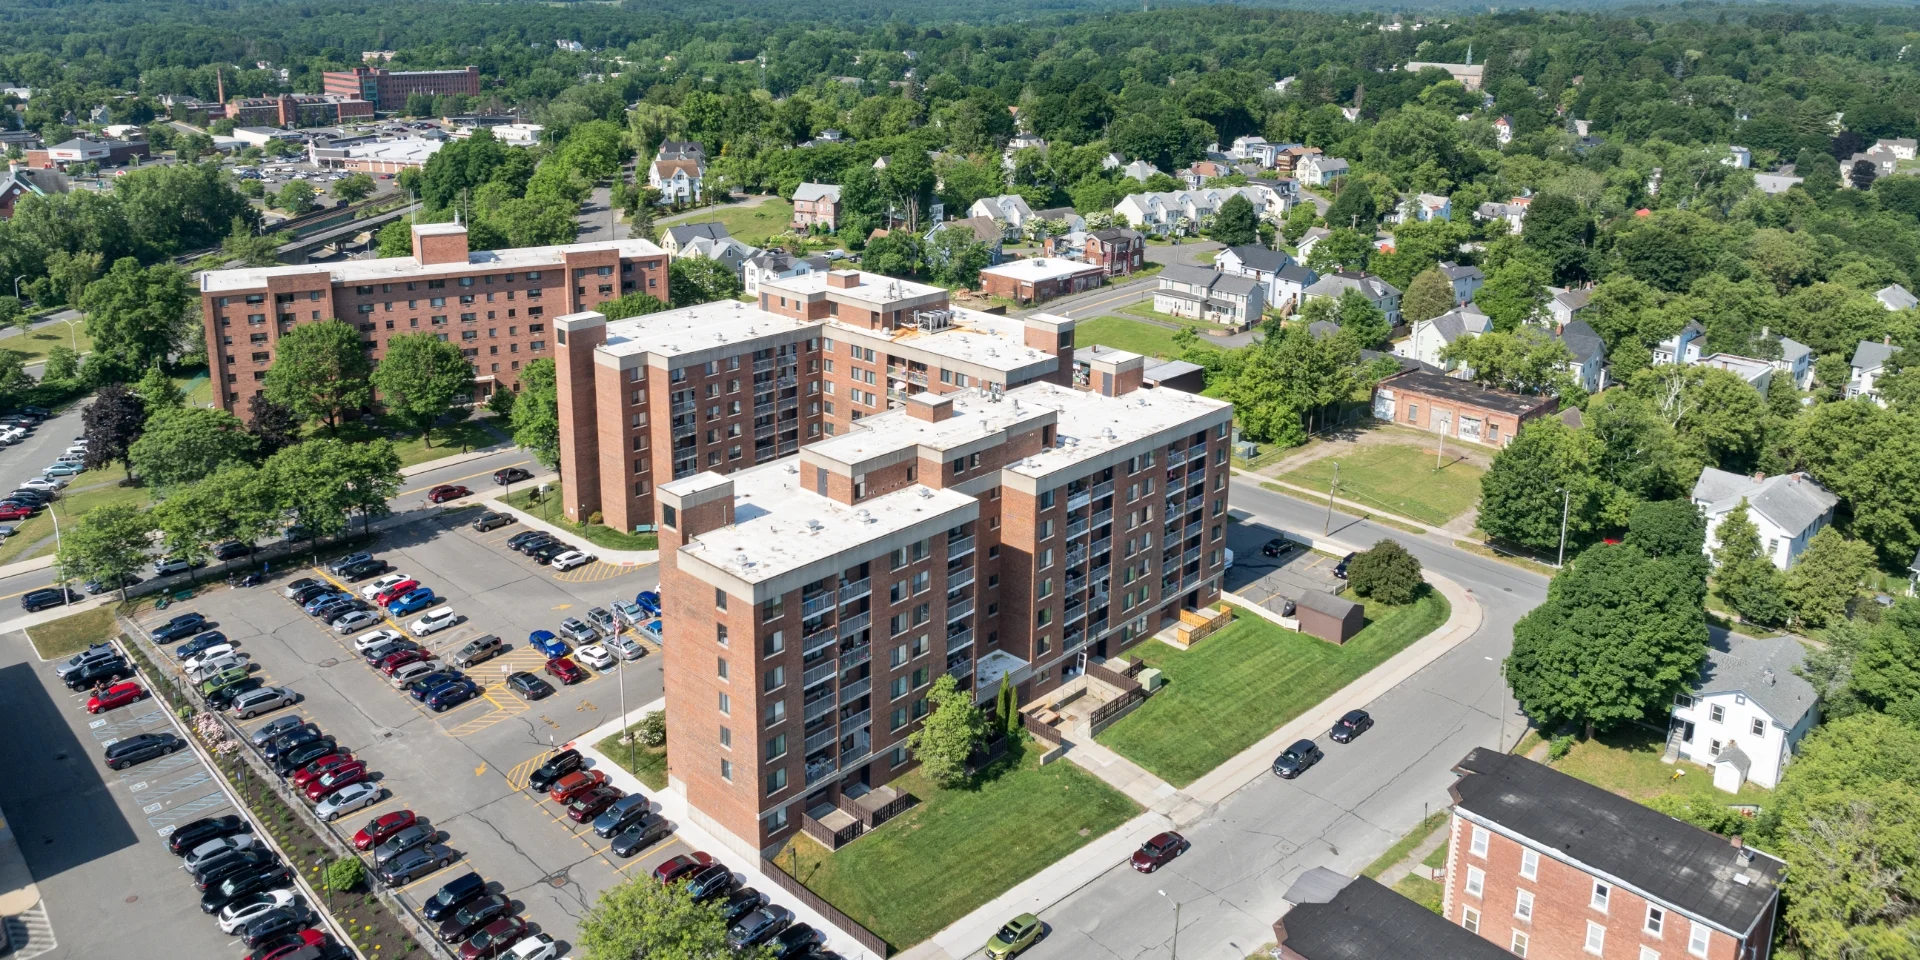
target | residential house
x=1067, y=215
x=1319, y=170
x=1896, y=297
x=1902, y=148
x=1470, y=75
x=827, y=137
x=1422, y=207
x=1544, y=864
x=1883, y=162
x=1350, y=114
x=775, y=263
x=677, y=236
x=816, y=204
x=1503, y=130
x=1255, y=150
x=681, y=150
x=1460, y=409
x=1788, y=509
x=1869, y=360
x=679, y=181
x=1795, y=360
x=1333, y=917
x=1739, y=158
x=1038, y=279
x=1380, y=293
x=1009, y=209
x=1112, y=161
x=1429, y=338
x=1683, y=348
x=1565, y=304
x=1466, y=281
x=21, y=182
x=985, y=229
x=1284, y=278
x=1514, y=212
x=1196, y=176
x=1309, y=240
x=1589, y=365
x=1198, y=293
x=727, y=250
x=1284, y=190
x=1758, y=374
x=1020, y=141
x=1288, y=160
x=1119, y=250
x=1746, y=712
x=1180, y=211
x=1775, y=183
x=1139, y=170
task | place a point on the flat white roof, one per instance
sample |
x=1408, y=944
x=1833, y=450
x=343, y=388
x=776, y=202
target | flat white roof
x=1039, y=269
x=872, y=287
x=974, y=418
x=779, y=528
x=982, y=339
x=1091, y=425
x=671, y=333
x=401, y=268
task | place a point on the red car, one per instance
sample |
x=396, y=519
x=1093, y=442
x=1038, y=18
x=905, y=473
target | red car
x=575, y=784
x=1159, y=851
x=394, y=661
x=14, y=511
x=565, y=670
x=320, y=768
x=593, y=803
x=680, y=867
x=381, y=827
x=494, y=939
x=396, y=591
x=118, y=695
x=289, y=944
x=445, y=492
x=335, y=779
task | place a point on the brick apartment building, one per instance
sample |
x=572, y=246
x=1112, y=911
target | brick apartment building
x=496, y=304
x=957, y=507
x=389, y=89
x=297, y=110
x=1547, y=865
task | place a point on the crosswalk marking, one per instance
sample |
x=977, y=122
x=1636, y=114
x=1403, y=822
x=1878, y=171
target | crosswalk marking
x=30, y=933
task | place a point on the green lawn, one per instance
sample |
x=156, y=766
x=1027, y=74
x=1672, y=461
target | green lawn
x=448, y=439
x=959, y=848
x=1399, y=478
x=1144, y=310
x=34, y=536
x=34, y=344
x=1419, y=889
x=747, y=224
x=647, y=763
x=1121, y=333
x=70, y=635
x=1627, y=762
x=1235, y=687
x=549, y=510
x=1405, y=845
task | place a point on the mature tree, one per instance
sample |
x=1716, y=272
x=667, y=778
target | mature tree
x=1561, y=229
x=642, y=918
x=692, y=280
x=370, y=473
x=1830, y=668
x=137, y=317
x=1354, y=208
x=1387, y=573
x=1870, y=458
x=1428, y=296
x=184, y=445
x=1899, y=381
x=1670, y=529
x=108, y=544
x=1235, y=222
x=274, y=425
x=1639, y=452
x=1862, y=174
x=321, y=370
x=956, y=256
x=420, y=378
x=1744, y=575
x=1514, y=290
x=500, y=403
x=1548, y=471
x=1619, y=634
x=1343, y=249
x=112, y=422
x=947, y=738
x=1288, y=380
x=295, y=198
x=536, y=414
x=354, y=187
x=632, y=305
x=322, y=481
x=897, y=254
x=191, y=520
x=1299, y=220
x=158, y=391
x=1526, y=360
x=1827, y=577
x=63, y=366
x=14, y=378
x=1886, y=673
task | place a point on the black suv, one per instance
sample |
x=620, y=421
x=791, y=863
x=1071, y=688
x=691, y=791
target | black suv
x=711, y=882
x=557, y=766
x=36, y=600
x=141, y=748
x=112, y=670
x=365, y=569
x=510, y=475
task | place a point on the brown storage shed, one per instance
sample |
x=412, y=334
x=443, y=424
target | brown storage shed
x=1329, y=617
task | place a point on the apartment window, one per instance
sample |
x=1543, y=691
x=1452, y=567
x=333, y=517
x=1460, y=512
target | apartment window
x=726, y=737
x=777, y=780
x=726, y=704
x=775, y=678
x=899, y=756
x=719, y=599
x=1044, y=617
x=721, y=667
x=897, y=689
x=1046, y=558
x=1479, y=843
x=1717, y=713
x=1523, y=905
x=726, y=770
x=1596, y=937
x=922, y=581
x=1046, y=529
x=1649, y=953
x=1046, y=499
x=1046, y=589
x=775, y=643
x=1519, y=945
x=1476, y=881
x=1600, y=893
x=1713, y=748
x=899, y=718
x=1697, y=939
x=1470, y=919
x=1530, y=864
x=776, y=712
x=1759, y=727
x=1656, y=919
x=720, y=634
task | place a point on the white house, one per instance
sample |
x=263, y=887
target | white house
x=1161, y=213
x=1201, y=294
x=1589, y=364
x=1311, y=239
x=1745, y=713
x=1010, y=209
x=1382, y=294
x=1896, y=298
x=1796, y=360
x=677, y=180
x=1869, y=360
x=674, y=238
x=1739, y=158
x=1429, y=337
x=1139, y=170
x=1772, y=183
x=1254, y=150
x=1682, y=348
x=1503, y=130
x=1514, y=212
x=1564, y=304
x=1466, y=281
x=774, y=263
x=1787, y=509
x=1902, y=148
x=1283, y=278
x=1319, y=170
x=727, y=250
x=1422, y=207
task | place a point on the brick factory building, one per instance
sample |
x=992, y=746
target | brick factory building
x=297, y=110
x=495, y=304
x=389, y=89
x=1456, y=408
x=958, y=507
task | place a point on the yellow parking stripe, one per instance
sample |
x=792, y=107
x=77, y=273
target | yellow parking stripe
x=596, y=571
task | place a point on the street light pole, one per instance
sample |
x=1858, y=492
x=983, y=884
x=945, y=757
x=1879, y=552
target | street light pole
x=1566, y=501
x=1176, y=924
x=1327, y=527
x=66, y=595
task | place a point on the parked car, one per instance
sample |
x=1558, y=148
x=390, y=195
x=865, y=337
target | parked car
x=491, y=521
x=558, y=765
x=335, y=566
x=273, y=728
x=235, y=916
x=453, y=895
x=116, y=696
x=63, y=469
x=713, y=881
x=758, y=927
x=418, y=835
x=355, y=796
x=395, y=591
x=1296, y=759
x=191, y=835
x=740, y=902
x=231, y=550
x=796, y=941
x=278, y=746
x=256, y=702
x=98, y=672
x=577, y=631
x=478, y=911
x=510, y=475
x=304, y=594
x=381, y=828
x=413, y=864
x=400, y=658
x=215, y=898
x=526, y=686
x=223, y=697
x=373, y=590
x=451, y=695
x=538, y=946
x=570, y=559
x=92, y=654
x=520, y=539
x=574, y=784
x=565, y=670
x=678, y=867
x=544, y=553
x=601, y=619
x=1159, y=851
x=213, y=666
x=1019, y=933
x=355, y=620
x=364, y=569
x=372, y=639
x=494, y=939
x=640, y=835
x=625, y=647
x=548, y=644
x=1340, y=569
x=217, y=869
x=1278, y=547
x=208, y=852
x=184, y=625
x=428, y=682
x=346, y=773
x=200, y=644
x=588, y=806
x=434, y=621
x=320, y=768
x=409, y=672
x=320, y=602
x=619, y=814
x=655, y=630
x=173, y=565
x=275, y=924
x=594, y=655
x=306, y=945
x=1352, y=724
x=413, y=602
x=12, y=510
x=445, y=492
x=478, y=650
x=304, y=754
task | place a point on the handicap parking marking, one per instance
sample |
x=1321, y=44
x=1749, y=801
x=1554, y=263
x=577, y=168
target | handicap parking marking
x=522, y=773
x=165, y=822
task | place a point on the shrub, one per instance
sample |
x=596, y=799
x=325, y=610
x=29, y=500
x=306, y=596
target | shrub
x=596, y=518
x=1387, y=573
x=344, y=875
x=652, y=729
x=1559, y=747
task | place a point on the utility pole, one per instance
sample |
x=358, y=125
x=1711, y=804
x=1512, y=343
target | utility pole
x=1176, y=924
x=1327, y=527
x=1566, y=501
x=1440, y=454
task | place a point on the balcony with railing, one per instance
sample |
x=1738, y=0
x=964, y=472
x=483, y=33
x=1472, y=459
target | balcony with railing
x=1073, y=584
x=856, y=655
x=960, y=578
x=820, y=769
x=961, y=671
x=1103, y=518
x=1072, y=639
x=818, y=705
x=856, y=748
x=1176, y=457
x=1103, y=546
x=1102, y=489
x=762, y=408
x=853, y=691
x=1076, y=527
x=959, y=639
x=1073, y=613
x=849, y=592
x=854, y=624
x=818, y=675
x=788, y=403
x=823, y=637
x=787, y=446
x=958, y=547
x=814, y=604
x=854, y=721
x=1079, y=498
x=824, y=738
x=959, y=609
x=683, y=406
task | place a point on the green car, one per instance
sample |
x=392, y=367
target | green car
x=1020, y=933
x=226, y=678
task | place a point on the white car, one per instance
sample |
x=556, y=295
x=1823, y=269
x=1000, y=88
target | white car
x=373, y=589
x=214, y=652
x=214, y=848
x=208, y=669
x=594, y=655
x=373, y=638
x=571, y=559
x=347, y=799
x=539, y=946
x=43, y=483
x=237, y=915
x=434, y=621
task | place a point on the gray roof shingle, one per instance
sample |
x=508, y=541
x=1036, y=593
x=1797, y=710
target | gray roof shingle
x=1257, y=257
x=1872, y=356
x=1763, y=670
x=1339, y=919
x=1584, y=343
x=1792, y=501
x=683, y=232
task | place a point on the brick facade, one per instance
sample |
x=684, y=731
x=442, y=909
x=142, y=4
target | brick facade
x=1459, y=409
x=389, y=89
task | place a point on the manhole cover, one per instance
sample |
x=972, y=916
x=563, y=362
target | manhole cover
x=328, y=662
x=133, y=898
x=557, y=880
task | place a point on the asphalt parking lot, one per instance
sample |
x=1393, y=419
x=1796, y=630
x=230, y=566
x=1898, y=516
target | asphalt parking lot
x=465, y=770
x=1271, y=582
x=94, y=838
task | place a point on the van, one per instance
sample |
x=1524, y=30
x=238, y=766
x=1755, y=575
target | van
x=478, y=651
x=411, y=672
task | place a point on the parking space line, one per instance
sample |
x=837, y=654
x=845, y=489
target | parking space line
x=181, y=811
x=463, y=862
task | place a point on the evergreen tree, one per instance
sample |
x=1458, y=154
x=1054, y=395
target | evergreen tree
x=1744, y=576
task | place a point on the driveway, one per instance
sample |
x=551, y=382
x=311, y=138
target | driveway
x=1271, y=581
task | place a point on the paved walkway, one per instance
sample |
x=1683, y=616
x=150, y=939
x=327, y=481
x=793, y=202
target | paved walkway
x=1412, y=861
x=496, y=499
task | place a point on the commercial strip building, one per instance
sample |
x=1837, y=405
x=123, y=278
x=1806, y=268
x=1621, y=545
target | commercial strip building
x=495, y=304
x=389, y=89
x=1039, y=279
